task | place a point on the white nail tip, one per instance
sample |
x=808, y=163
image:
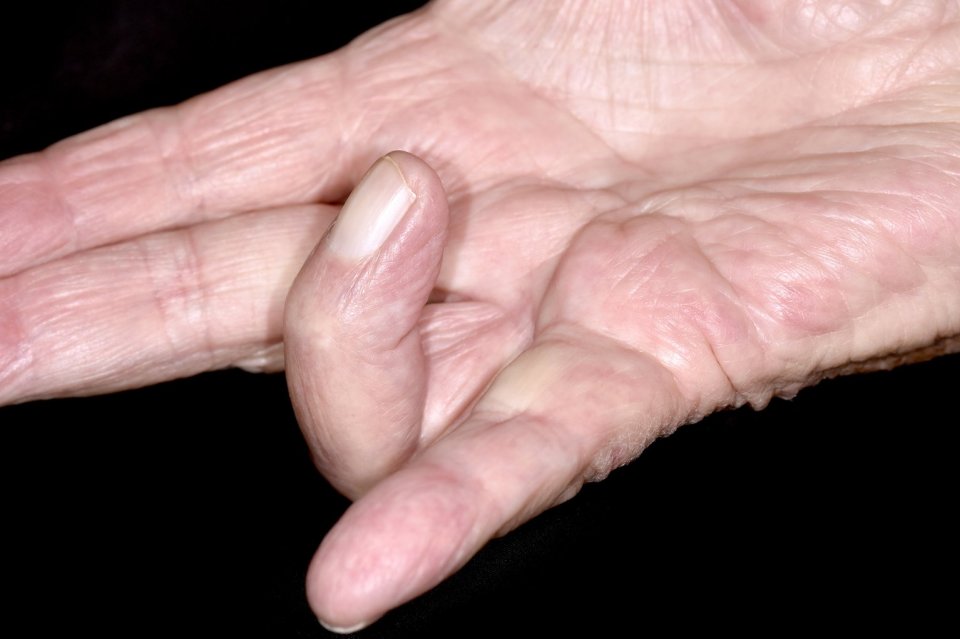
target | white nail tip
x=343, y=630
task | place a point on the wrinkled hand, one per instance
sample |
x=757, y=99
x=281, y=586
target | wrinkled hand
x=640, y=213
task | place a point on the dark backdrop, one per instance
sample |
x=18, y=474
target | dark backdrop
x=191, y=507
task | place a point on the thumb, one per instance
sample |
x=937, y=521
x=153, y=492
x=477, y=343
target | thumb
x=354, y=357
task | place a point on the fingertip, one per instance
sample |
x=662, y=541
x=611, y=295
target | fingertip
x=430, y=213
x=371, y=213
x=419, y=176
x=395, y=543
x=399, y=193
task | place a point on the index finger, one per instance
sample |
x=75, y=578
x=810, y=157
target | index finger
x=269, y=140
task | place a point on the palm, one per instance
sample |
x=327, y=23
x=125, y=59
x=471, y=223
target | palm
x=753, y=201
x=735, y=248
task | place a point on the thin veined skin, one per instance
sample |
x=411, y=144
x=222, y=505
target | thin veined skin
x=721, y=202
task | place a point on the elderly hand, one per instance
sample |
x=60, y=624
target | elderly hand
x=618, y=218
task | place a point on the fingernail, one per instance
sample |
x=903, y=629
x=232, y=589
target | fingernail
x=341, y=630
x=372, y=211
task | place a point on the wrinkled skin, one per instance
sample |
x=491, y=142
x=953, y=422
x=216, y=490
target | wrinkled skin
x=627, y=216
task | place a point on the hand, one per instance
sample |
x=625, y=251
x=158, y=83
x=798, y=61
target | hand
x=770, y=197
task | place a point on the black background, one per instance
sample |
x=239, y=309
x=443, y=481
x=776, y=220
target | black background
x=192, y=506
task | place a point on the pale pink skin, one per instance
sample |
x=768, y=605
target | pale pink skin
x=637, y=213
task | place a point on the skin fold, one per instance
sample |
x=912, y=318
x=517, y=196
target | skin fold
x=627, y=216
